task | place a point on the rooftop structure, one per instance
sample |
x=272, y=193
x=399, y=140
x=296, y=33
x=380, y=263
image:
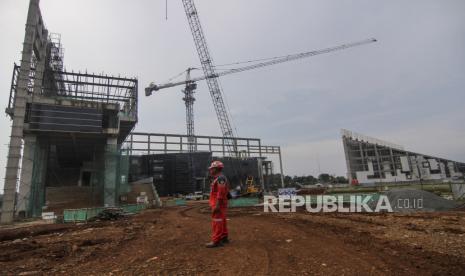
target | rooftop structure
x=370, y=160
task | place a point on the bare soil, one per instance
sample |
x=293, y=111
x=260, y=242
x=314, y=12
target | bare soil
x=171, y=241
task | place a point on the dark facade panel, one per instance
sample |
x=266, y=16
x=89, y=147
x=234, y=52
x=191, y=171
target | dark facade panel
x=172, y=173
x=44, y=117
x=238, y=170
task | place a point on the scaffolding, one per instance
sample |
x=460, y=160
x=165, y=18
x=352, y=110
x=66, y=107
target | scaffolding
x=56, y=52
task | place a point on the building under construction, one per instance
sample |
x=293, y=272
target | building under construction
x=67, y=130
x=370, y=160
x=175, y=170
x=71, y=138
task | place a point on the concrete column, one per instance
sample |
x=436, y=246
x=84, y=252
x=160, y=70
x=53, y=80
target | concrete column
x=260, y=173
x=19, y=111
x=110, y=180
x=281, y=168
x=27, y=167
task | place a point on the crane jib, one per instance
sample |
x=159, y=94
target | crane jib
x=276, y=61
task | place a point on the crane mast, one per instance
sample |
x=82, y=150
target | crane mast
x=189, y=100
x=208, y=70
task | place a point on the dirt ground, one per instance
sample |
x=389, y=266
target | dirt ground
x=171, y=241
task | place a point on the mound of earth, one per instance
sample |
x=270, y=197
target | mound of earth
x=412, y=200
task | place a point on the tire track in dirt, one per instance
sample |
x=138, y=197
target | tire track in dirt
x=171, y=241
x=183, y=211
x=269, y=241
x=389, y=256
x=237, y=252
x=295, y=250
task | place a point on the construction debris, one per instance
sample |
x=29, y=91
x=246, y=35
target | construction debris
x=110, y=214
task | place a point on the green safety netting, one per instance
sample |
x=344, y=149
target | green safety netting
x=115, y=175
x=84, y=214
x=36, y=198
x=174, y=202
x=244, y=201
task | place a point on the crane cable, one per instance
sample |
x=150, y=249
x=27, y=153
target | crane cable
x=249, y=61
x=177, y=75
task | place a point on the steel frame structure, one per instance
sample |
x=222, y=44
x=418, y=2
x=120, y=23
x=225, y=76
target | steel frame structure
x=138, y=143
x=81, y=86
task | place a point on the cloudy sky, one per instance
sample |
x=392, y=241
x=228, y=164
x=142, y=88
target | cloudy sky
x=408, y=88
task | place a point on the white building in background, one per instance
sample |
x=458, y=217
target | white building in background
x=370, y=160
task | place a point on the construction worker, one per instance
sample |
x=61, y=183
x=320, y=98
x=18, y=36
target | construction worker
x=219, y=190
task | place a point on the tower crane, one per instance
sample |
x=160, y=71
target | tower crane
x=190, y=86
x=212, y=78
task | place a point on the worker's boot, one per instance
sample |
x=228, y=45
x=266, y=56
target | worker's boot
x=213, y=244
x=225, y=240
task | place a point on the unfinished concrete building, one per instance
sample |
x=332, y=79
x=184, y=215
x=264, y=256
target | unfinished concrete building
x=370, y=160
x=67, y=130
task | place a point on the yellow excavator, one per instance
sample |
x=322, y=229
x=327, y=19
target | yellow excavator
x=251, y=190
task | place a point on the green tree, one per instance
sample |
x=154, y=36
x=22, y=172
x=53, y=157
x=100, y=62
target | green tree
x=324, y=178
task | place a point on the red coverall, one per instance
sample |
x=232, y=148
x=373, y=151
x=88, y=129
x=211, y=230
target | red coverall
x=219, y=191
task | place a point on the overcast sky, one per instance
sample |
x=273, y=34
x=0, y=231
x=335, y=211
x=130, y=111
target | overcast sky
x=408, y=88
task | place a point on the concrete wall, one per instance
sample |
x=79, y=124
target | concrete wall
x=371, y=163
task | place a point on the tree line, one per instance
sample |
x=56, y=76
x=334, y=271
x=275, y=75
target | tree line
x=324, y=178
